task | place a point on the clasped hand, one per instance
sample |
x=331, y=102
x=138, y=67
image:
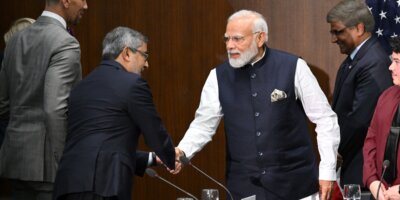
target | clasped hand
x=178, y=163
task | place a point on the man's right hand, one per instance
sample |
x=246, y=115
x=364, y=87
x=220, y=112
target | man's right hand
x=178, y=164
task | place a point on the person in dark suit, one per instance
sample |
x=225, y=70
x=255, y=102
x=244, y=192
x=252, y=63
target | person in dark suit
x=360, y=80
x=40, y=66
x=265, y=96
x=107, y=112
x=384, y=123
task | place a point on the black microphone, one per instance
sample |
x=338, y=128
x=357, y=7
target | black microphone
x=153, y=173
x=186, y=161
x=385, y=165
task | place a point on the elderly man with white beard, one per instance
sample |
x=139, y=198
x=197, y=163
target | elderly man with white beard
x=265, y=97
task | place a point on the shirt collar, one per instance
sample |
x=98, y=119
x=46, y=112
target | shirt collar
x=355, y=51
x=55, y=16
x=252, y=64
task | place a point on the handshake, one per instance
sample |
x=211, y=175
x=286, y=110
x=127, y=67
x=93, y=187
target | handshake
x=180, y=161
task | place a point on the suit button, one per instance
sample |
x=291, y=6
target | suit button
x=258, y=133
x=256, y=114
x=253, y=75
x=263, y=172
x=254, y=94
x=260, y=154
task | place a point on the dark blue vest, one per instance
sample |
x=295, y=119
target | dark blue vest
x=269, y=151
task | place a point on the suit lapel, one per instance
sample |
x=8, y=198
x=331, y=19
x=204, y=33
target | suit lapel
x=340, y=78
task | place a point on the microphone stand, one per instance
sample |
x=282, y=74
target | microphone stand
x=153, y=173
x=386, y=163
x=186, y=161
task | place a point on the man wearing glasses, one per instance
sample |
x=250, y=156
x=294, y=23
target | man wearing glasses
x=264, y=96
x=107, y=112
x=361, y=78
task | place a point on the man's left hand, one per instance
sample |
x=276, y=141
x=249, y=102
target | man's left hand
x=325, y=189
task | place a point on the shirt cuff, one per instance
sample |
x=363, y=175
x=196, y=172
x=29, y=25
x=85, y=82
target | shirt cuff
x=327, y=174
x=152, y=159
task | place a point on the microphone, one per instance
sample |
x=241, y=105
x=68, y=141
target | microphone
x=153, y=173
x=385, y=165
x=186, y=161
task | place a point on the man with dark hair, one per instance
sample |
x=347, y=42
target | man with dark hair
x=395, y=44
x=40, y=66
x=107, y=112
x=362, y=77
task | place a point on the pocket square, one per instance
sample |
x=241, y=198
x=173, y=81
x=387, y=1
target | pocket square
x=278, y=95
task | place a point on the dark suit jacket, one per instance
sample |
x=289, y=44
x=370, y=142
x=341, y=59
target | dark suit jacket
x=107, y=112
x=375, y=142
x=354, y=102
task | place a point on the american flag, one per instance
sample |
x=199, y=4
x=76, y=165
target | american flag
x=387, y=20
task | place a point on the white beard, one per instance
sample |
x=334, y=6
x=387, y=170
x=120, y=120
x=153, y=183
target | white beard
x=245, y=57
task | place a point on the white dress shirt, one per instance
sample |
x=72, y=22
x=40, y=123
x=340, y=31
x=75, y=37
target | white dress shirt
x=55, y=16
x=316, y=107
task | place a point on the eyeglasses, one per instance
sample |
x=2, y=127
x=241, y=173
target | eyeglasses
x=338, y=32
x=144, y=54
x=237, y=39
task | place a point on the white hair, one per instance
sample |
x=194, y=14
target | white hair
x=119, y=38
x=260, y=24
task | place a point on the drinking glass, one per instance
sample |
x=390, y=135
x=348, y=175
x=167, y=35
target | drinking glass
x=352, y=192
x=209, y=194
x=184, y=198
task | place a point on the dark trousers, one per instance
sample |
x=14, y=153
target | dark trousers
x=85, y=196
x=31, y=190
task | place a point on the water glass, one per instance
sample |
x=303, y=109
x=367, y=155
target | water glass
x=352, y=192
x=209, y=194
